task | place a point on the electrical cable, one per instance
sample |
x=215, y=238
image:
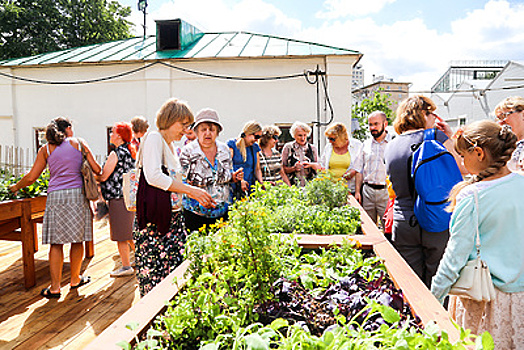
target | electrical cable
x=78, y=82
x=226, y=77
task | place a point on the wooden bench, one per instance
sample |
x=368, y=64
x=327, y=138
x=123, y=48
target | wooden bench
x=18, y=219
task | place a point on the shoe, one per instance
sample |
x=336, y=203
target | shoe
x=122, y=272
x=46, y=293
x=83, y=280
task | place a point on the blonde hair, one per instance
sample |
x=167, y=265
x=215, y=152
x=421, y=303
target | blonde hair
x=498, y=142
x=172, y=111
x=509, y=104
x=299, y=125
x=411, y=113
x=338, y=130
x=250, y=128
x=267, y=133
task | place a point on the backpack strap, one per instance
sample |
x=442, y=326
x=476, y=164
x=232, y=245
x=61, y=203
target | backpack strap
x=430, y=134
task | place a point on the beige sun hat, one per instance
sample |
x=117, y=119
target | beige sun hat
x=207, y=115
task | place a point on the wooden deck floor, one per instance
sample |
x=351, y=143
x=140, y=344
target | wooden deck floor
x=28, y=321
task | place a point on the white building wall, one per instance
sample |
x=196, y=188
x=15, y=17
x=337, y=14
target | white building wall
x=93, y=107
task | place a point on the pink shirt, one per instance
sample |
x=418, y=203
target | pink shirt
x=64, y=167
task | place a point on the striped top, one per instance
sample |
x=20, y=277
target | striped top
x=270, y=166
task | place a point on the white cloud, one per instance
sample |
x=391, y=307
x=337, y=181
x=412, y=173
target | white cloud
x=354, y=8
x=409, y=51
x=245, y=15
x=406, y=51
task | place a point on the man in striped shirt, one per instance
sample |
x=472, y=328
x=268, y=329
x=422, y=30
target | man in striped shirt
x=371, y=170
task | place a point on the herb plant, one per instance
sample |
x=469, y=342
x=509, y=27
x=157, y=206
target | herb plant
x=38, y=188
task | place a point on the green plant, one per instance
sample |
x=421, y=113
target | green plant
x=379, y=101
x=38, y=188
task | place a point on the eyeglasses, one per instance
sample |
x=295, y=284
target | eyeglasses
x=257, y=137
x=332, y=139
x=503, y=116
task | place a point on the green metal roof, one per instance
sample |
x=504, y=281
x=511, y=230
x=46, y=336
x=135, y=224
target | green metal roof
x=209, y=45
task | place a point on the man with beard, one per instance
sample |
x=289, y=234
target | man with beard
x=371, y=177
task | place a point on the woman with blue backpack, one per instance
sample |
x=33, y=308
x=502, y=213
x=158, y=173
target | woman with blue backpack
x=422, y=167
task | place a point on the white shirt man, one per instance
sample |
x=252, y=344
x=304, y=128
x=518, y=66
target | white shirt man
x=371, y=189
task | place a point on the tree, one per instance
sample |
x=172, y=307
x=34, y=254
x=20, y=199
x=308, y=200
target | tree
x=31, y=27
x=378, y=102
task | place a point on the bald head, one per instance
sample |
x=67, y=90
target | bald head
x=377, y=122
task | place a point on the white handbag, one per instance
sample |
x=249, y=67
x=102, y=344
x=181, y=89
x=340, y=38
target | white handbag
x=474, y=280
x=130, y=188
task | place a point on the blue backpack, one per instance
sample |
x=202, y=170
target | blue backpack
x=434, y=172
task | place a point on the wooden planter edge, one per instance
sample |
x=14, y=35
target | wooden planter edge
x=422, y=302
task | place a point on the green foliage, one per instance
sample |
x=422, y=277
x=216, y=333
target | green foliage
x=378, y=102
x=38, y=188
x=32, y=27
x=215, y=309
x=324, y=189
x=320, y=208
x=235, y=268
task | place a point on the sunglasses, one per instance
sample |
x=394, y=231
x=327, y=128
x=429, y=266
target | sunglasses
x=274, y=137
x=257, y=137
x=503, y=116
x=332, y=139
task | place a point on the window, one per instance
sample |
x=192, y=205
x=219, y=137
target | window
x=110, y=147
x=40, y=139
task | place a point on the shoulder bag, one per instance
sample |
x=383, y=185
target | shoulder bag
x=474, y=280
x=90, y=185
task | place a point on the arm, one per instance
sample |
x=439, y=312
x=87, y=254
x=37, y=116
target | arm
x=258, y=171
x=285, y=157
x=460, y=246
x=358, y=186
x=284, y=177
x=90, y=158
x=196, y=193
x=34, y=173
x=152, y=162
x=108, y=168
x=314, y=164
x=446, y=129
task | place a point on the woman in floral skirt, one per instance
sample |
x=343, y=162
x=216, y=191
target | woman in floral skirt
x=161, y=234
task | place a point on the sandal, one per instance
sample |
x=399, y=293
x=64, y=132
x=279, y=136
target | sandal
x=46, y=293
x=83, y=280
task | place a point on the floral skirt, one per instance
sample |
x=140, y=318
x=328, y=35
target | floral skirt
x=503, y=318
x=158, y=254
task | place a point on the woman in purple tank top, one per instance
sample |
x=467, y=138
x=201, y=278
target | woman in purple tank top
x=68, y=217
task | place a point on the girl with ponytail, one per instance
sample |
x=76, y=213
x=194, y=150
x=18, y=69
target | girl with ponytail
x=119, y=161
x=244, y=151
x=485, y=148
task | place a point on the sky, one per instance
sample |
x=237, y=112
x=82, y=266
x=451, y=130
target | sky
x=405, y=40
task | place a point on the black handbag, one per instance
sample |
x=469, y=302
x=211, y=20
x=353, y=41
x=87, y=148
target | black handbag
x=153, y=205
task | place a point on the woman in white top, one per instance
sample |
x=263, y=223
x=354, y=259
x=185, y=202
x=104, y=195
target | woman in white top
x=161, y=231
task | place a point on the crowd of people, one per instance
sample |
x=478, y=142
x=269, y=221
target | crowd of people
x=188, y=179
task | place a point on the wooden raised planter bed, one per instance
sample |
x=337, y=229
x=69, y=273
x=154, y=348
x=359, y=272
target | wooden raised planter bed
x=422, y=302
x=18, y=219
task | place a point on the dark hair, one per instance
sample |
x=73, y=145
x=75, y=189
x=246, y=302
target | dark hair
x=55, y=132
x=139, y=124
